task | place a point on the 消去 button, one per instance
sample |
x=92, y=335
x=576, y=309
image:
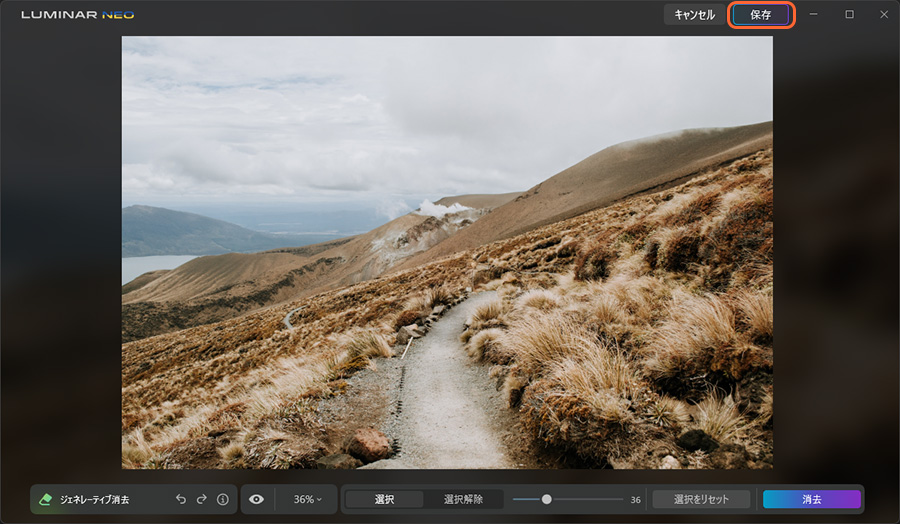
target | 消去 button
x=812, y=499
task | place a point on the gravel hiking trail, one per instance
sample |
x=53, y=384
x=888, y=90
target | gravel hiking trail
x=452, y=416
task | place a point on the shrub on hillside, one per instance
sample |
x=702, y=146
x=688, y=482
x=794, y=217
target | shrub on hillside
x=539, y=299
x=419, y=304
x=758, y=315
x=406, y=318
x=744, y=235
x=540, y=340
x=568, y=424
x=668, y=412
x=485, y=346
x=594, y=264
x=699, y=347
x=487, y=315
x=438, y=296
x=681, y=250
x=635, y=233
x=569, y=249
x=606, y=308
x=699, y=207
x=365, y=343
x=348, y=367
x=719, y=418
x=603, y=378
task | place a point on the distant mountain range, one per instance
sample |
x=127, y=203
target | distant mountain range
x=150, y=231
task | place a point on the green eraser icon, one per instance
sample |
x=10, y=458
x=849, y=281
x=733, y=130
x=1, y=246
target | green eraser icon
x=45, y=500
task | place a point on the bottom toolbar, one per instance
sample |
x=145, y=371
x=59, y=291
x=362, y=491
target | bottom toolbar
x=417, y=499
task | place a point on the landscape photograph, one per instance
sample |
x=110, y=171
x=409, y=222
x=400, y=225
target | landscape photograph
x=447, y=253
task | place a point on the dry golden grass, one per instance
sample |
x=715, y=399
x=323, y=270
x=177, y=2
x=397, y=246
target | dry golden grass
x=481, y=343
x=423, y=303
x=418, y=303
x=492, y=285
x=438, y=296
x=487, y=314
x=136, y=452
x=757, y=310
x=668, y=412
x=696, y=325
x=232, y=453
x=670, y=208
x=541, y=339
x=606, y=309
x=720, y=419
x=603, y=378
x=365, y=343
x=541, y=299
x=644, y=297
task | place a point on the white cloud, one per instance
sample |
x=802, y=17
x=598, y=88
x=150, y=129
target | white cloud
x=392, y=208
x=428, y=209
x=364, y=118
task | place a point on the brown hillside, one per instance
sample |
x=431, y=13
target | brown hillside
x=612, y=174
x=213, y=288
x=143, y=280
x=479, y=201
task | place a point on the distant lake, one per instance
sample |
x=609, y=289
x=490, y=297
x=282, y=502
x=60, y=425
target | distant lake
x=133, y=267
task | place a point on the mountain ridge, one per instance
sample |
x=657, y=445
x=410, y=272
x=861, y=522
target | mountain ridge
x=151, y=231
x=609, y=175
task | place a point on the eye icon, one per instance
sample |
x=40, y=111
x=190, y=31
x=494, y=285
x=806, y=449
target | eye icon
x=256, y=498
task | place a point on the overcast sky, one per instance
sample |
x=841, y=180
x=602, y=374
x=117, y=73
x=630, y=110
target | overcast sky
x=303, y=119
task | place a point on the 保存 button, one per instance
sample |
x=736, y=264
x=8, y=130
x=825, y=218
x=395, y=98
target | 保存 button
x=761, y=15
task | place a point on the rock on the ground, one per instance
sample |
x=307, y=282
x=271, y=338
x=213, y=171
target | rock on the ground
x=670, y=462
x=697, y=439
x=407, y=332
x=338, y=461
x=369, y=445
x=403, y=336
